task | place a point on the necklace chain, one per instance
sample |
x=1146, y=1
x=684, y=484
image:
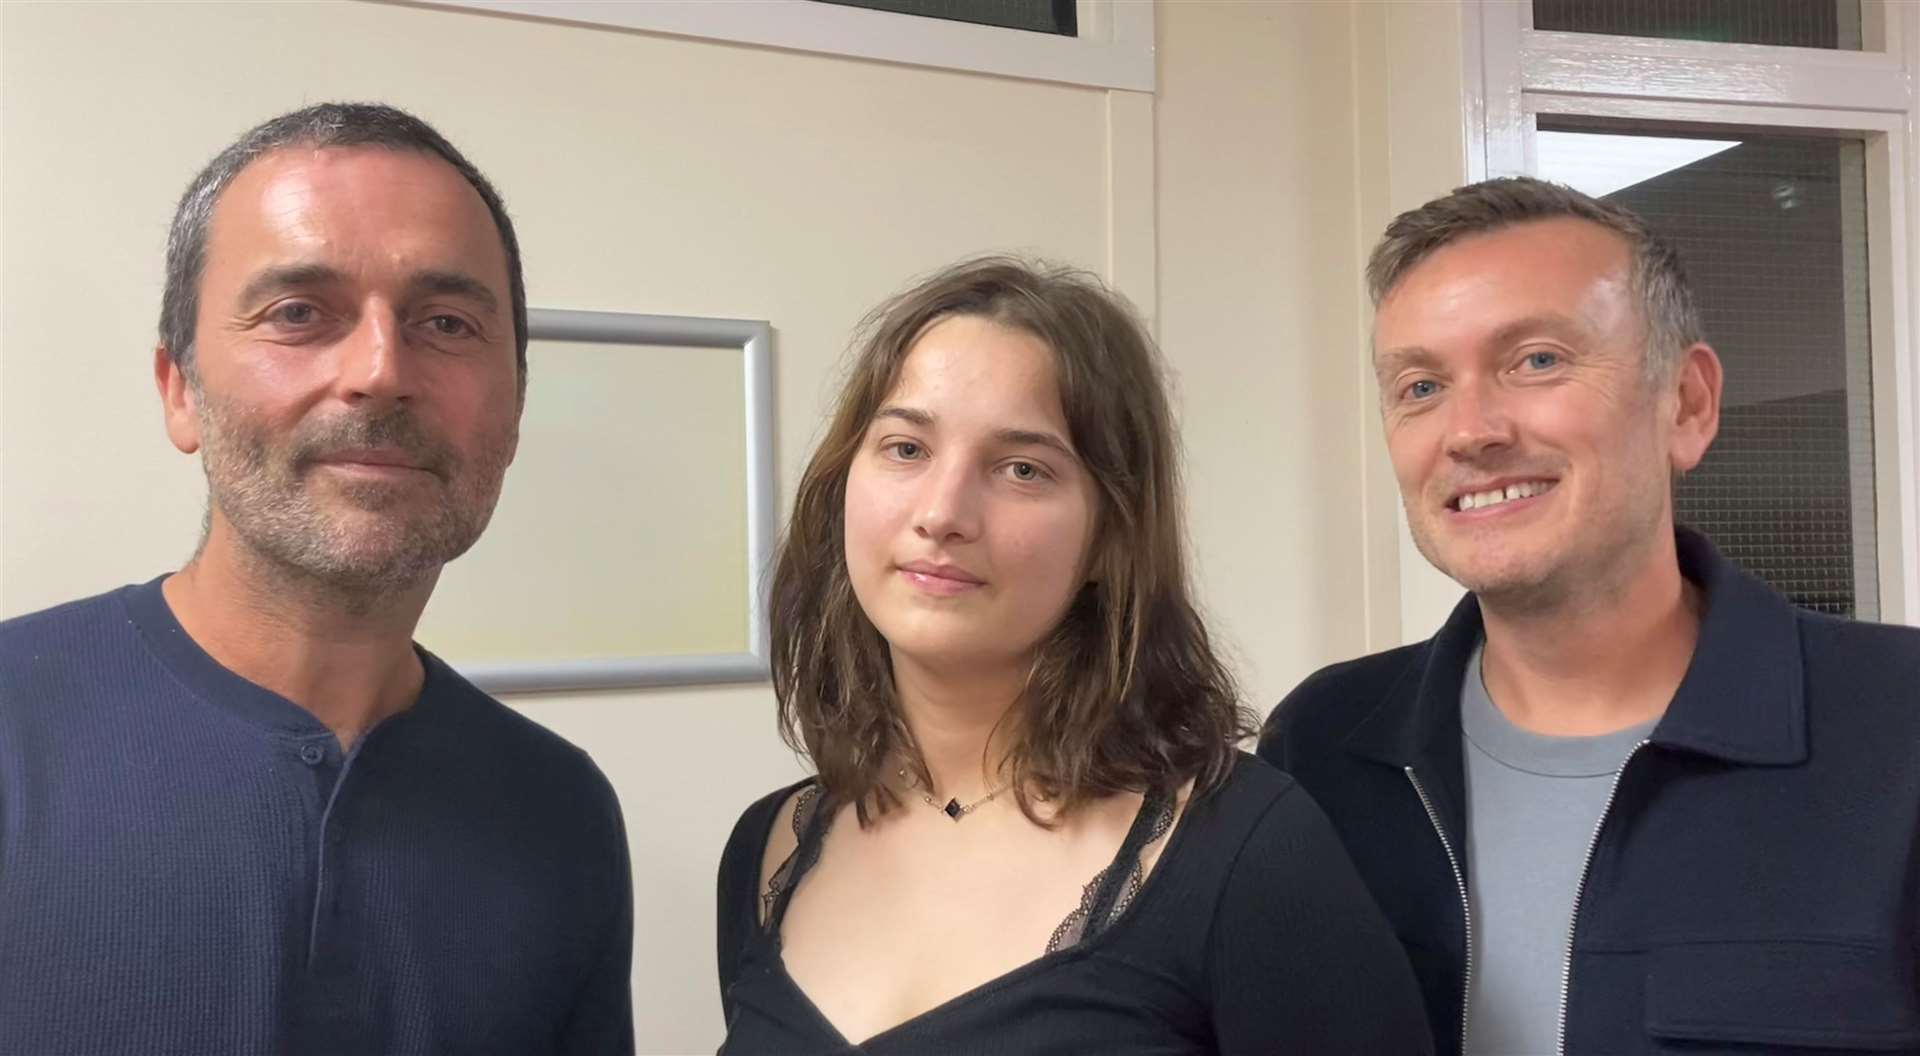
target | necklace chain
x=952, y=808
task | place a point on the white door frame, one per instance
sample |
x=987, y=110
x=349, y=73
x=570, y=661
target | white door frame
x=1513, y=73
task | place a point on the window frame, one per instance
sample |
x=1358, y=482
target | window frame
x=1115, y=47
x=1514, y=73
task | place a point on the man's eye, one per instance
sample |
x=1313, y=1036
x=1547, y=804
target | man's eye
x=1542, y=360
x=1420, y=390
x=449, y=326
x=295, y=313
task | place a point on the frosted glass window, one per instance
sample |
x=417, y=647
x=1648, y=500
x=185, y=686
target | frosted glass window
x=1773, y=232
x=1793, y=23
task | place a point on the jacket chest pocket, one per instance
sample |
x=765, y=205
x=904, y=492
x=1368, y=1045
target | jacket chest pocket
x=1782, y=997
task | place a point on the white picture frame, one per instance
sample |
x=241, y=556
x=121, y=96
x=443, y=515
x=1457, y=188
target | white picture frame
x=752, y=340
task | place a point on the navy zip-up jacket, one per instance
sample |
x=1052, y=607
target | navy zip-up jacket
x=1753, y=887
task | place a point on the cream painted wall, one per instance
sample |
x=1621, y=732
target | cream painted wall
x=668, y=175
x=1289, y=134
x=1409, y=60
x=1258, y=309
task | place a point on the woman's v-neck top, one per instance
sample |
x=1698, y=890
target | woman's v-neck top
x=1252, y=934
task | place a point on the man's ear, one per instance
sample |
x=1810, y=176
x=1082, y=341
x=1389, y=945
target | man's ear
x=179, y=407
x=1696, y=416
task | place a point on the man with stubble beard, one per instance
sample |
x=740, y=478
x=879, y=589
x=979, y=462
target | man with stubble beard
x=240, y=811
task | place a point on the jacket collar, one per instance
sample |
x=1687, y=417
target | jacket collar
x=1742, y=699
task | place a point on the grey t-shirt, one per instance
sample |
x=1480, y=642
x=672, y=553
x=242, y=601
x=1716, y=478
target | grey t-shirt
x=1532, y=802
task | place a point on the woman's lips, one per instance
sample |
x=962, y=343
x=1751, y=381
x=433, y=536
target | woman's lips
x=942, y=580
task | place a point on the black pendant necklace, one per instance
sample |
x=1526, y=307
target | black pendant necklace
x=953, y=808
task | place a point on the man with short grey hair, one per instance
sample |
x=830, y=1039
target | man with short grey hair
x=240, y=811
x=1628, y=799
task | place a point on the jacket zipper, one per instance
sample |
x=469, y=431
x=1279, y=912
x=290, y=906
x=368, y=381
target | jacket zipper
x=1580, y=891
x=1460, y=883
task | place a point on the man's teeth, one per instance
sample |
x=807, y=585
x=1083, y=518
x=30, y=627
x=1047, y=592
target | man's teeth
x=1523, y=490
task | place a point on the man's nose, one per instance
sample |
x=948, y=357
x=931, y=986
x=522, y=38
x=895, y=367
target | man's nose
x=374, y=361
x=1477, y=421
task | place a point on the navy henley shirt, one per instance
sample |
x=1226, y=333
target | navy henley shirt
x=189, y=864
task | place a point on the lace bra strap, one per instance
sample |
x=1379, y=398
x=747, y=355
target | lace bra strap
x=811, y=815
x=1148, y=825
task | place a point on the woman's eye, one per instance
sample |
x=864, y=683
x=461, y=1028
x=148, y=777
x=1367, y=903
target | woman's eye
x=1026, y=471
x=906, y=449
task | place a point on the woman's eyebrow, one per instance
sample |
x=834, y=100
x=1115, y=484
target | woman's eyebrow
x=1035, y=437
x=1011, y=436
x=915, y=415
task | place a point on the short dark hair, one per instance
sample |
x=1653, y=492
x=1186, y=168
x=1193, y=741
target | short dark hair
x=1658, y=280
x=1126, y=693
x=319, y=126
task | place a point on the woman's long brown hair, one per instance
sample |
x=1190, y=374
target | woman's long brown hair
x=1126, y=693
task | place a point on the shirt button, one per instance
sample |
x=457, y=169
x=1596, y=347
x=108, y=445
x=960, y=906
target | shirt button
x=312, y=754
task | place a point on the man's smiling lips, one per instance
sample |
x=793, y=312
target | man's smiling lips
x=940, y=579
x=1499, y=496
x=381, y=463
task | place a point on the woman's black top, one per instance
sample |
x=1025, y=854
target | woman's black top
x=1252, y=934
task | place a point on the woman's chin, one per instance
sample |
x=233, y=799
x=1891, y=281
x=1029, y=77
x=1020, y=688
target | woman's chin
x=950, y=655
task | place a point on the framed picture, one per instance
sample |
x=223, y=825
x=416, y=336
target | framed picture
x=632, y=539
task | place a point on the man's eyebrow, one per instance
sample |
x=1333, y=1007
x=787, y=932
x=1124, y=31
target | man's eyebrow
x=1552, y=325
x=453, y=284
x=287, y=277
x=1395, y=360
x=284, y=277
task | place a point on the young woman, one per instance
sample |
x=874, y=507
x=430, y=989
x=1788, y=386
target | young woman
x=1030, y=831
